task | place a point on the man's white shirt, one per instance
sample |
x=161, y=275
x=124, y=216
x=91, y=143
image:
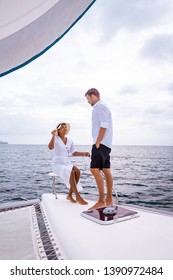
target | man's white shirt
x=101, y=117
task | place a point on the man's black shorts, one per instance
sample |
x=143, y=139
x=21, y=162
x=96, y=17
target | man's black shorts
x=100, y=158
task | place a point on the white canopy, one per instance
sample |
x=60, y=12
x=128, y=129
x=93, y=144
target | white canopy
x=29, y=28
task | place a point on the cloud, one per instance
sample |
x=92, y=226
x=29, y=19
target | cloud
x=133, y=15
x=74, y=97
x=170, y=88
x=159, y=47
x=72, y=100
x=129, y=71
x=129, y=89
x=154, y=111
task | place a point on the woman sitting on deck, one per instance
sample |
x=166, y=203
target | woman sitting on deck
x=61, y=165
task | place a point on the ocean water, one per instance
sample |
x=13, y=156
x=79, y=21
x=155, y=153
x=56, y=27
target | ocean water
x=143, y=175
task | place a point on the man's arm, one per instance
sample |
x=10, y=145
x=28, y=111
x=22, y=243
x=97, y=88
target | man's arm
x=100, y=136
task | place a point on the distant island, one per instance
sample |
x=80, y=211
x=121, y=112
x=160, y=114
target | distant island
x=2, y=142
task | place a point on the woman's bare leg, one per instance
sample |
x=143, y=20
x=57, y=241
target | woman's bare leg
x=77, y=177
x=79, y=199
x=70, y=197
x=77, y=174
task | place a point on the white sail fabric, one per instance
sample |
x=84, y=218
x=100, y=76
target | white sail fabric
x=29, y=28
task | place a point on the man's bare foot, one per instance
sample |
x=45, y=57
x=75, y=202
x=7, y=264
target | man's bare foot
x=81, y=201
x=71, y=199
x=108, y=202
x=97, y=205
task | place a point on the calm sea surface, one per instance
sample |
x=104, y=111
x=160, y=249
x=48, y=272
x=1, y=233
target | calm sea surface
x=143, y=175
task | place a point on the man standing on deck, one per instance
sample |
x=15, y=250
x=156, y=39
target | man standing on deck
x=102, y=134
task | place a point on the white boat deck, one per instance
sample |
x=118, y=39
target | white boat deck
x=54, y=229
x=148, y=237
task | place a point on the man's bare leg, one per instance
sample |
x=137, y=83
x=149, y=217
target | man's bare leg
x=109, y=184
x=100, y=185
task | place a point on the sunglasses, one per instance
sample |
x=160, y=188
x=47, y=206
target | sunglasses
x=59, y=125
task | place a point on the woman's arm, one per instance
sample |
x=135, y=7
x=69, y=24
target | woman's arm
x=85, y=154
x=52, y=141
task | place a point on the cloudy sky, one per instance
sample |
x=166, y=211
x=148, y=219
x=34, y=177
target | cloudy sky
x=124, y=49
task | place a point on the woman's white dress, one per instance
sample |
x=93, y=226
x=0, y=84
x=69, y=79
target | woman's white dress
x=61, y=164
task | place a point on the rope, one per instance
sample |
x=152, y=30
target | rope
x=47, y=246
